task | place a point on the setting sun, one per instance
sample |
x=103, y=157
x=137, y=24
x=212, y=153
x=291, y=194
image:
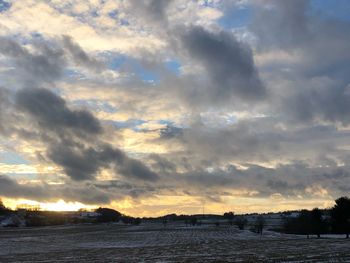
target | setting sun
x=59, y=205
x=62, y=205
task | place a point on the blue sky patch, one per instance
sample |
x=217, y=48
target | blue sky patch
x=124, y=22
x=12, y=158
x=165, y=122
x=173, y=66
x=129, y=124
x=146, y=74
x=339, y=9
x=4, y=5
x=113, y=14
x=236, y=17
x=117, y=61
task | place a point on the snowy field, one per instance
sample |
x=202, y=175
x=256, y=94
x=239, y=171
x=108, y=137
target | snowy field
x=155, y=243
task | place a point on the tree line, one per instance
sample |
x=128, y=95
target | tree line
x=335, y=220
x=34, y=217
x=317, y=222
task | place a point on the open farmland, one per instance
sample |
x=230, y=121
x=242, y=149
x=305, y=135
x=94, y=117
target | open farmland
x=154, y=243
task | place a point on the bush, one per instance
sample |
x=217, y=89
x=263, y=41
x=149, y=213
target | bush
x=241, y=222
x=35, y=219
x=107, y=215
x=229, y=216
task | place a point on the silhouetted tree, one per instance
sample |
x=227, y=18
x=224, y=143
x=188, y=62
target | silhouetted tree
x=316, y=222
x=259, y=224
x=127, y=220
x=340, y=215
x=229, y=216
x=241, y=222
x=306, y=223
x=299, y=225
x=137, y=221
x=3, y=209
x=107, y=215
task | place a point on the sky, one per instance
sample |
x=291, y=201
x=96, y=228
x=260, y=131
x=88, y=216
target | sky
x=174, y=106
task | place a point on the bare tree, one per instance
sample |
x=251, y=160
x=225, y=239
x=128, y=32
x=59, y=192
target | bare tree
x=229, y=216
x=241, y=222
x=259, y=224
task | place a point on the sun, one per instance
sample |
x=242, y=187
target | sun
x=62, y=205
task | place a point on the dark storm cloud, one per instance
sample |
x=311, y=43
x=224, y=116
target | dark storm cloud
x=228, y=62
x=83, y=163
x=79, y=163
x=102, y=192
x=80, y=153
x=86, y=193
x=46, y=65
x=72, y=136
x=46, y=61
x=51, y=111
x=134, y=168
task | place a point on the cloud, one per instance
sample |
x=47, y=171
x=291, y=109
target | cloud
x=44, y=192
x=94, y=30
x=151, y=10
x=79, y=56
x=45, y=61
x=163, y=165
x=314, y=86
x=51, y=112
x=229, y=64
x=151, y=99
x=71, y=139
x=328, y=102
x=281, y=23
x=45, y=65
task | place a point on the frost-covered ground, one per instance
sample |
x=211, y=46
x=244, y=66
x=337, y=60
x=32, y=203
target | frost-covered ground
x=155, y=243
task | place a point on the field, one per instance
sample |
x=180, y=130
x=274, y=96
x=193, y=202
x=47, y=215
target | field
x=155, y=243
